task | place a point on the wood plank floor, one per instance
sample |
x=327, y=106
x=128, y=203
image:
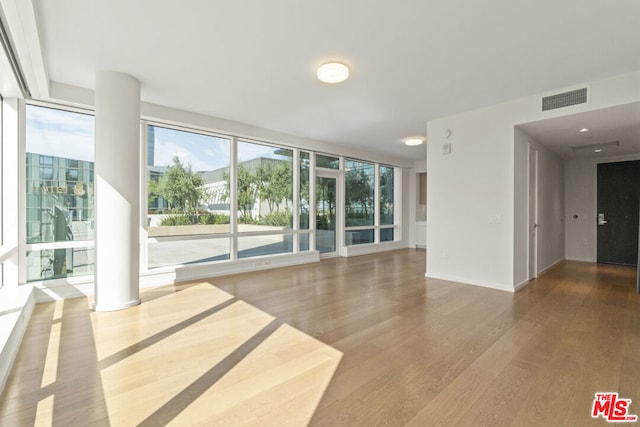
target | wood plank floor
x=363, y=341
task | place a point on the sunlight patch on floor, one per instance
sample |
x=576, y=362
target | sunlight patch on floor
x=148, y=373
x=280, y=383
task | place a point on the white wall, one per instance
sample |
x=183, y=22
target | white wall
x=551, y=196
x=465, y=187
x=551, y=202
x=476, y=185
x=581, y=199
x=521, y=210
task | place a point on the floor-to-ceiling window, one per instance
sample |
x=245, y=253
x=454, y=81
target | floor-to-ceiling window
x=304, y=210
x=203, y=207
x=386, y=186
x=370, y=203
x=188, y=214
x=265, y=199
x=59, y=193
x=210, y=197
x=359, y=190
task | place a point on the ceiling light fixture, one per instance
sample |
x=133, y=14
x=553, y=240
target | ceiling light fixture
x=333, y=72
x=583, y=130
x=413, y=141
x=598, y=150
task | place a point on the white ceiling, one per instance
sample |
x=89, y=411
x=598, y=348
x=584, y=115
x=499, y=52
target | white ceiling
x=254, y=61
x=620, y=123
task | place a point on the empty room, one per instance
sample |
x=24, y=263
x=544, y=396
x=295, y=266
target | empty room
x=319, y=214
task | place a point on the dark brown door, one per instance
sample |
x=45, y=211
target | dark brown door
x=618, y=206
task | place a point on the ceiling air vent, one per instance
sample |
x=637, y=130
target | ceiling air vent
x=566, y=99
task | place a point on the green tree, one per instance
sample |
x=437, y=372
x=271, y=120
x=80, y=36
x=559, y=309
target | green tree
x=304, y=192
x=247, y=190
x=386, y=194
x=182, y=188
x=152, y=191
x=358, y=197
x=276, y=183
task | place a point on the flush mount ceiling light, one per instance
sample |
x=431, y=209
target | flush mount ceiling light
x=413, y=141
x=583, y=130
x=598, y=150
x=333, y=72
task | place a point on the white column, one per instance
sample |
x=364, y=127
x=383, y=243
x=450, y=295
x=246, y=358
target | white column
x=117, y=191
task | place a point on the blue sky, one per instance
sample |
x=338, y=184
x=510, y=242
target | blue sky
x=71, y=135
x=60, y=133
x=202, y=152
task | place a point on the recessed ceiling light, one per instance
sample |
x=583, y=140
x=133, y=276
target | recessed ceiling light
x=583, y=130
x=597, y=150
x=333, y=72
x=413, y=141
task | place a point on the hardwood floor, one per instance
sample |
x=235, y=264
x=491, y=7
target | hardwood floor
x=347, y=342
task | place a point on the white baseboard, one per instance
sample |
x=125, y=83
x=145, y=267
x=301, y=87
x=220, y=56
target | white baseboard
x=550, y=266
x=57, y=290
x=467, y=281
x=160, y=277
x=589, y=260
x=16, y=307
x=372, y=248
x=521, y=285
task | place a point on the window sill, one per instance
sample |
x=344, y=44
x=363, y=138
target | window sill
x=16, y=305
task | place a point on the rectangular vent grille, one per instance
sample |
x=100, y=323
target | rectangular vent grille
x=566, y=99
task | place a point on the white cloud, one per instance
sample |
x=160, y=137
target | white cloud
x=60, y=133
x=203, y=152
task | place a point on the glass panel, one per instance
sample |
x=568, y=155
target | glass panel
x=188, y=191
x=359, y=193
x=303, y=242
x=325, y=214
x=328, y=162
x=60, y=263
x=358, y=237
x=250, y=246
x=59, y=203
x=386, y=234
x=265, y=187
x=304, y=190
x=163, y=252
x=188, y=183
x=386, y=195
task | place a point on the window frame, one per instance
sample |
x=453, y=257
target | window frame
x=234, y=234
x=22, y=216
x=377, y=227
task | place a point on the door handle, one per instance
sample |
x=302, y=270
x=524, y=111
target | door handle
x=601, y=220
